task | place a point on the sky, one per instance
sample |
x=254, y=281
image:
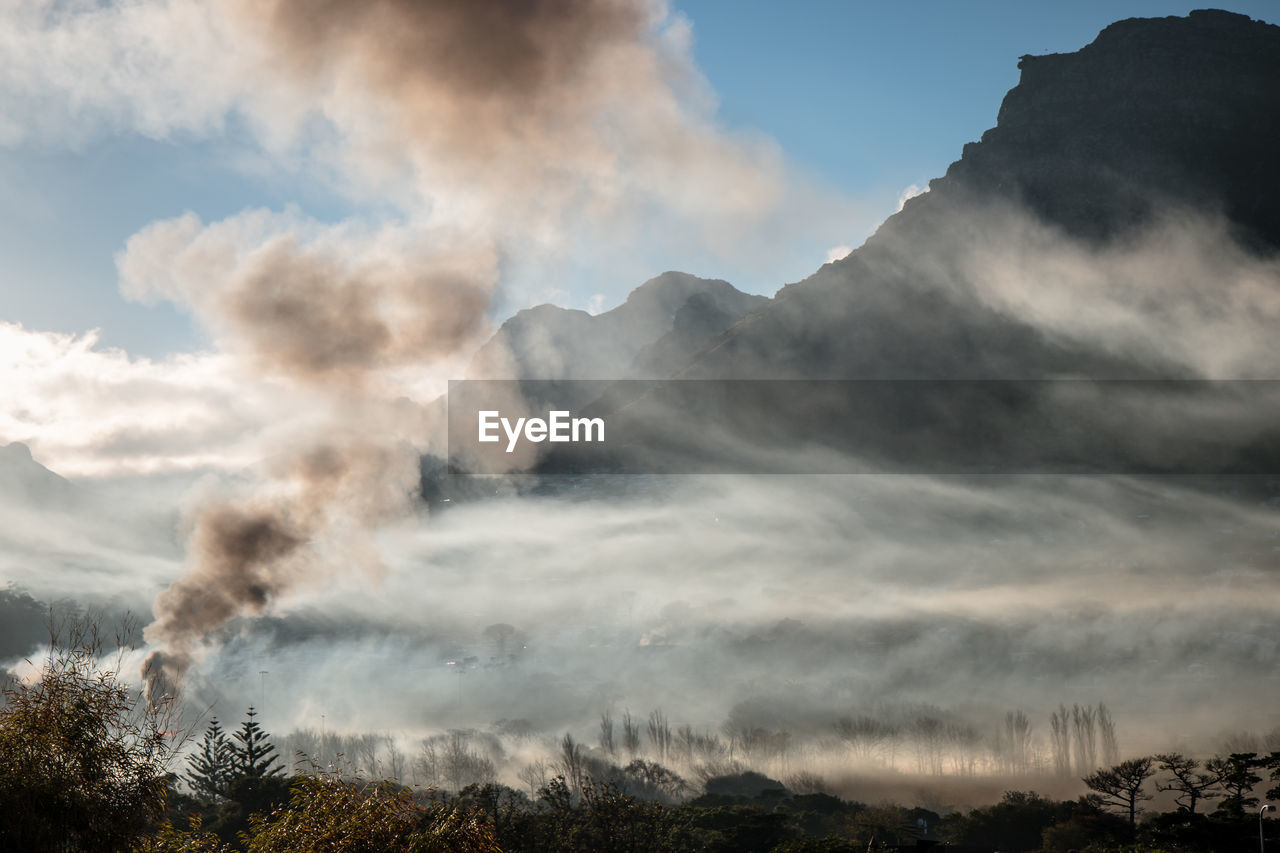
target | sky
x=861, y=101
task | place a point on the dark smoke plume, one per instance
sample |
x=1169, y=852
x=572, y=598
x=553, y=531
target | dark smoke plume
x=244, y=553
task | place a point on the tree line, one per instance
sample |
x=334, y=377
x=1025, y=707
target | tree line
x=87, y=764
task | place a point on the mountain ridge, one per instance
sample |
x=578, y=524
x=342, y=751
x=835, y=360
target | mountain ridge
x=551, y=342
x=1153, y=115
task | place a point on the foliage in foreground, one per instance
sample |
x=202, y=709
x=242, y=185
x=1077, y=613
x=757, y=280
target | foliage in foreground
x=83, y=759
x=328, y=815
x=332, y=815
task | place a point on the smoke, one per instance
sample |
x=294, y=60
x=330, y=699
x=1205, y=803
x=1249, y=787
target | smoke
x=341, y=318
x=1181, y=291
x=246, y=552
x=488, y=126
x=318, y=305
x=515, y=115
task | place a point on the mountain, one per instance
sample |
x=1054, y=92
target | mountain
x=1157, y=117
x=1121, y=221
x=25, y=480
x=678, y=310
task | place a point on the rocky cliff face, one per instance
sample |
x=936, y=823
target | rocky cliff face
x=1153, y=112
x=1172, y=117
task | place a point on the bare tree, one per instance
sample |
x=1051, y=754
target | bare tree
x=1121, y=786
x=708, y=747
x=572, y=759
x=1086, y=738
x=962, y=741
x=396, y=761
x=365, y=752
x=630, y=735
x=1189, y=785
x=606, y=734
x=1271, y=740
x=756, y=742
x=1107, y=726
x=1240, y=742
x=1060, y=729
x=659, y=733
x=462, y=766
x=865, y=735
x=534, y=775
x=685, y=741
x=426, y=767
x=1013, y=743
x=927, y=737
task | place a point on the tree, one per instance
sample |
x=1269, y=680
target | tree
x=864, y=734
x=253, y=754
x=630, y=735
x=1235, y=775
x=83, y=758
x=1086, y=737
x=1272, y=763
x=1013, y=742
x=1189, y=785
x=572, y=758
x=599, y=818
x=1121, y=786
x=460, y=765
x=1017, y=822
x=330, y=815
x=659, y=733
x=1060, y=728
x=1110, y=744
x=606, y=734
x=534, y=775
x=650, y=780
x=213, y=763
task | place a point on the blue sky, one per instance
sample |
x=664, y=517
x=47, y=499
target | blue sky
x=865, y=99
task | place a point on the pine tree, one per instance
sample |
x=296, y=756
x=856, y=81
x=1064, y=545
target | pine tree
x=253, y=754
x=1121, y=786
x=213, y=764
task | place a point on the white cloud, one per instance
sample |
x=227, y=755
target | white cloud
x=910, y=193
x=71, y=72
x=90, y=411
x=835, y=253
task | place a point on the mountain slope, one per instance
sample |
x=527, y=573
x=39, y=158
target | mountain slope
x=1157, y=118
x=22, y=479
